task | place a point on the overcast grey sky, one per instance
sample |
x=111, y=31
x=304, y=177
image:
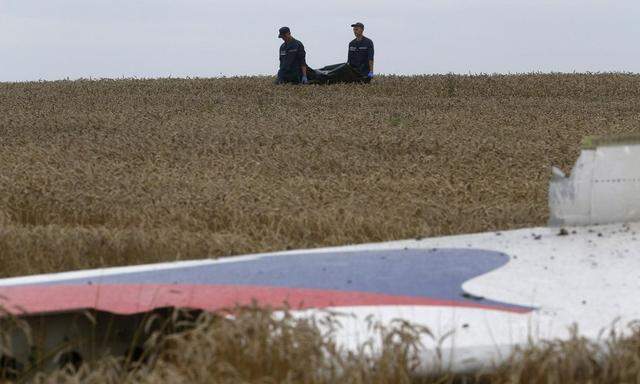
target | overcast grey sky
x=55, y=39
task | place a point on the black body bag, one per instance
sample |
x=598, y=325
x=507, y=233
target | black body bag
x=336, y=73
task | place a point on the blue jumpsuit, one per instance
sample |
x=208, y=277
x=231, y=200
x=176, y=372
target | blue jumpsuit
x=292, y=58
x=360, y=52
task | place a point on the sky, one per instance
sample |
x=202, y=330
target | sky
x=58, y=39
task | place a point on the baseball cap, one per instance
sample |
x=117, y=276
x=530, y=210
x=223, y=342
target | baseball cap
x=282, y=31
x=358, y=24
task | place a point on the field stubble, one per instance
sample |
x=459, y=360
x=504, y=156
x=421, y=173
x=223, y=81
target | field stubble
x=118, y=172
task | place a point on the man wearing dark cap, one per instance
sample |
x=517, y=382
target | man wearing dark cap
x=293, y=67
x=361, y=52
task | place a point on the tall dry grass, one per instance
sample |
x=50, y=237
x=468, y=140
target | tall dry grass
x=256, y=347
x=117, y=172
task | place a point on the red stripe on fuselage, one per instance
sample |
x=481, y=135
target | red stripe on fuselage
x=139, y=298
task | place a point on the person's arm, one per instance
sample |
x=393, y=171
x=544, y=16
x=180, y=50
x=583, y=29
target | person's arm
x=302, y=55
x=371, y=54
x=279, y=75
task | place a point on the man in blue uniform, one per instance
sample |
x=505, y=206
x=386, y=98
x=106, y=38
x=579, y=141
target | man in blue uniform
x=361, y=52
x=293, y=67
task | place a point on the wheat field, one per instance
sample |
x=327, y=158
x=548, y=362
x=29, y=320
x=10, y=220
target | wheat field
x=121, y=172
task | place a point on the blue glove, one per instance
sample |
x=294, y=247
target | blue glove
x=370, y=75
x=305, y=80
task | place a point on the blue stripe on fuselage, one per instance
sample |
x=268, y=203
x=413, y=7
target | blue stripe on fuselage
x=436, y=273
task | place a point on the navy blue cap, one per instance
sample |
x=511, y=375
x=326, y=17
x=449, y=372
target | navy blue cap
x=358, y=24
x=283, y=31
